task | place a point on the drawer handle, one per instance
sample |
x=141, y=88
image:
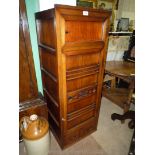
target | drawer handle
x=63, y=119
x=70, y=98
x=82, y=94
x=66, y=32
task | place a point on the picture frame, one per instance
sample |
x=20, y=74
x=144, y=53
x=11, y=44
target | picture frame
x=123, y=24
x=87, y=3
x=104, y=4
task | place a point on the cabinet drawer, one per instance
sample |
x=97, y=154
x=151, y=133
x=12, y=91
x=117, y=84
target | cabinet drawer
x=77, y=117
x=81, y=93
x=80, y=132
x=82, y=82
x=74, y=106
x=82, y=60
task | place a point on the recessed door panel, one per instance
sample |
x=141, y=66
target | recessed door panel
x=50, y=85
x=77, y=31
x=48, y=61
x=45, y=30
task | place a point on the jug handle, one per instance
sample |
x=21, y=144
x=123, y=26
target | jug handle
x=25, y=118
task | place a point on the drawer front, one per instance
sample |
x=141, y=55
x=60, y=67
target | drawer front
x=77, y=95
x=82, y=82
x=74, y=106
x=80, y=132
x=81, y=116
x=82, y=61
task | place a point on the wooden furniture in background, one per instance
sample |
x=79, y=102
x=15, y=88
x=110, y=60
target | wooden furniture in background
x=27, y=79
x=126, y=71
x=72, y=42
x=29, y=100
x=111, y=79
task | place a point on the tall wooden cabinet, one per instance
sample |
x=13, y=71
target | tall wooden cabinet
x=73, y=44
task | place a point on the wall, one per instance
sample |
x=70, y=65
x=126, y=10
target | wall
x=32, y=6
x=46, y=4
x=126, y=9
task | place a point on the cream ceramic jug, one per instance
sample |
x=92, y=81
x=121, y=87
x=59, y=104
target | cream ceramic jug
x=35, y=132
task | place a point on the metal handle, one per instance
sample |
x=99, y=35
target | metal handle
x=70, y=98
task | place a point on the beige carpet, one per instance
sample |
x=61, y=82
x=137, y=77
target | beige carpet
x=111, y=138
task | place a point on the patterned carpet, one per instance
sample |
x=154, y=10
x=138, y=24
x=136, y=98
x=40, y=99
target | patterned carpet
x=111, y=138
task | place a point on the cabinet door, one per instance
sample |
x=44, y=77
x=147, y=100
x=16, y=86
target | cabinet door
x=77, y=31
x=83, y=43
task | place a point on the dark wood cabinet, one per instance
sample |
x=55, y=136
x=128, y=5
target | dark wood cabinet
x=29, y=100
x=73, y=45
x=27, y=79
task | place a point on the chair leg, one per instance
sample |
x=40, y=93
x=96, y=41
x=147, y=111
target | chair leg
x=128, y=115
x=131, y=124
x=113, y=83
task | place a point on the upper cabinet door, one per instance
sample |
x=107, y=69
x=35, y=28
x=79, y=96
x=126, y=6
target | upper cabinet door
x=76, y=31
x=79, y=25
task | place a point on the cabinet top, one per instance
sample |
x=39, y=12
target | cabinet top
x=79, y=8
x=71, y=9
x=60, y=6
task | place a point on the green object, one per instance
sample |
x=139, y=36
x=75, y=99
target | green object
x=85, y=4
x=32, y=6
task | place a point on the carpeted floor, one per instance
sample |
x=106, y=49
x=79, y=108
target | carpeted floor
x=111, y=138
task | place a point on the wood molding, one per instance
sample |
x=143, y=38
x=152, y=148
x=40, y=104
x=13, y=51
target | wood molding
x=52, y=50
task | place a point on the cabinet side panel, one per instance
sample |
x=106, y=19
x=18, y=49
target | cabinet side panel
x=49, y=67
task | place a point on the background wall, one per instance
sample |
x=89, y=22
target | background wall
x=46, y=4
x=32, y=6
x=126, y=9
